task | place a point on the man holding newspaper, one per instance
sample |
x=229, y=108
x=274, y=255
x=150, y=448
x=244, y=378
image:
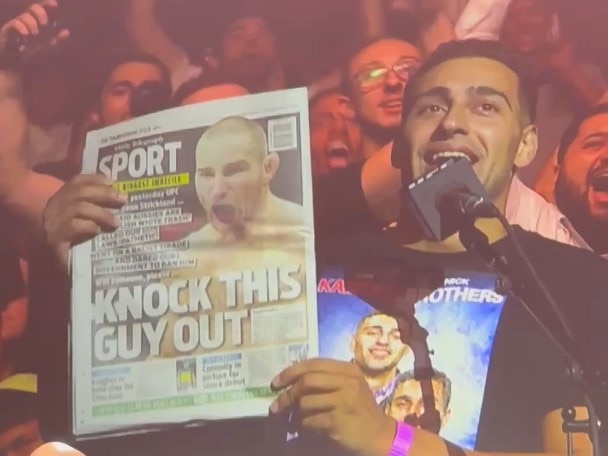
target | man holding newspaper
x=331, y=398
x=231, y=299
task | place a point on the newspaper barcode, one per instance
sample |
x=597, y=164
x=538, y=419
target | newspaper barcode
x=282, y=134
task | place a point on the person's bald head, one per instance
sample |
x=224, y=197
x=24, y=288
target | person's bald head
x=210, y=86
x=233, y=172
x=234, y=133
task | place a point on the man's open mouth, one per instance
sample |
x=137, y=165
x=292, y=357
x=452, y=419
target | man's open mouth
x=380, y=353
x=438, y=158
x=599, y=182
x=225, y=213
x=337, y=155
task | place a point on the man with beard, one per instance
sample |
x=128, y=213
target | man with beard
x=249, y=54
x=375, y=79
x=247, y=49
x=335, y=135
x=581, y=188
x=406, y=403
x=377, y=350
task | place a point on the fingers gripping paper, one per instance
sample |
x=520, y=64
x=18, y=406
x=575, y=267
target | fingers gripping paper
x=207, y=289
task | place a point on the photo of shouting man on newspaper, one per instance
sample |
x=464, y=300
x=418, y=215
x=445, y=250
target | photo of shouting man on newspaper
x=249, y=229
x=233, y=172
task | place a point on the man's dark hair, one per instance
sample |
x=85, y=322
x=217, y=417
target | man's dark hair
x=114, y=61
x=325, y=93
x=372, y=314
x=472, y=48
x=346, y=83
x=572, y=131
x=20, y=407
x=207, y=79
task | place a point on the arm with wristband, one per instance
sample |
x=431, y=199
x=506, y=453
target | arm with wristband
x=334, y=399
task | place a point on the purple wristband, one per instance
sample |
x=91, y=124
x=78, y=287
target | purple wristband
x=402, y=441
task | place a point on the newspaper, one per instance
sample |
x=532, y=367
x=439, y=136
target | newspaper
x=207, y=289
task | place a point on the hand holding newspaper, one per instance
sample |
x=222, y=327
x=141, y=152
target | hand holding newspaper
x=207, y=289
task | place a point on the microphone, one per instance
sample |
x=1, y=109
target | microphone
x=471, y=205
x=445, y=198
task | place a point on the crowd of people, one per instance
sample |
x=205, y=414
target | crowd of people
x=497, y=82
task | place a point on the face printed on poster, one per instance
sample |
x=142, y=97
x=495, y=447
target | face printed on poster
x=460, y=319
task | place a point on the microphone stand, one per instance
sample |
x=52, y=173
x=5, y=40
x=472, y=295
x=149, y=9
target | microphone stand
x=414, y=335
x=477, y=242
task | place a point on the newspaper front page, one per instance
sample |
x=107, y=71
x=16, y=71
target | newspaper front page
x=207, y=289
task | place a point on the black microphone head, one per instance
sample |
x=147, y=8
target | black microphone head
x=434, y=198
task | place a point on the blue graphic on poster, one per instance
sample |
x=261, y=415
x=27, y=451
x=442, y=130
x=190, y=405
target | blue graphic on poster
x=461, y=320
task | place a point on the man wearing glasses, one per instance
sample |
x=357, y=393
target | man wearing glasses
x=375, y=79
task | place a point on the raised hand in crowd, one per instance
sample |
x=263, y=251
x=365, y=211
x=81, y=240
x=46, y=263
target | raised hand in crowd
x=23, y=191
x=32, y=23
x=79, y=211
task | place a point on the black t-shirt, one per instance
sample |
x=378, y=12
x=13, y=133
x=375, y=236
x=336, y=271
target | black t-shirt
x=506, y=374
x=340, y=207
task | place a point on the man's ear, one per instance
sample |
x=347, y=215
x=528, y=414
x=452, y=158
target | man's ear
x=528, y=146
x=270, y=166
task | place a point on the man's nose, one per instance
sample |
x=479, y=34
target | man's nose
x=456, y=121
x=419, y=410
x=128, y=109
x=219, y=189
x=604, y=154
x=383, y=339
x=251, y=39
x=338, y=127
x=392, y=81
